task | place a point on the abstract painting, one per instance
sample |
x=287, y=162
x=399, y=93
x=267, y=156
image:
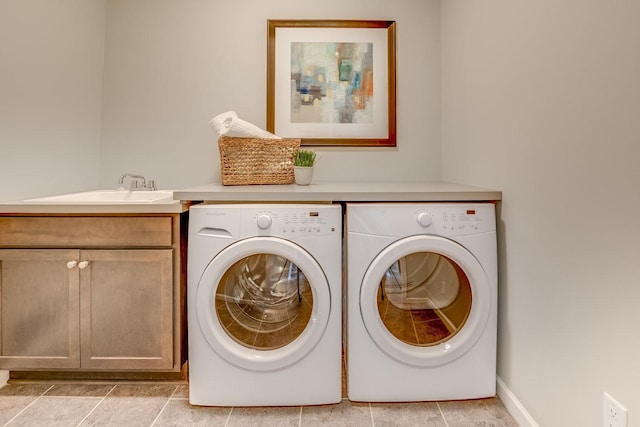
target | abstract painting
x=333, y=82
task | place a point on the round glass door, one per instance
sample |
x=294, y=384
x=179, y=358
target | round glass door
x=263, y=303
x=425, y=300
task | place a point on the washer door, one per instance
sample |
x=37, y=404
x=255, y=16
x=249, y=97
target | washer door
x=425, y=300
x=263, y=303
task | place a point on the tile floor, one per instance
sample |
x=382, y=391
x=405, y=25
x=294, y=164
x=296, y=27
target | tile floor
x=157, y=404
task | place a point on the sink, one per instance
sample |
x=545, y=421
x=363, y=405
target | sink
x=106, y=197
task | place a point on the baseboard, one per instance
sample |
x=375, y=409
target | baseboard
x=513, y=405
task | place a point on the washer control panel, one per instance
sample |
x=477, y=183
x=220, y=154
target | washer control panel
x=296, y=221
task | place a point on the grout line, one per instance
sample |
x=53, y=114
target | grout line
x=111, y=391
x=29, y=405
x=442, y=415
x=164, y=406
x=373, y=424
x=300, y=418
x=96, y=405
x=174, y=392
x=226, y=423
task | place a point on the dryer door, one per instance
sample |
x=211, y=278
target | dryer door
x=425, y=300
x=263, y=303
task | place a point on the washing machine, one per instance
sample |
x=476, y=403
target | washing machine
x=264, y=304
x=421, y=301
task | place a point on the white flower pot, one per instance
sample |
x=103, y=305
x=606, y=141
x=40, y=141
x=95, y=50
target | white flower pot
x=303, y=174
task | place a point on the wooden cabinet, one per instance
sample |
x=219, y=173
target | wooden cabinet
x=39, y=307
x=92, y=293
x=126, y=309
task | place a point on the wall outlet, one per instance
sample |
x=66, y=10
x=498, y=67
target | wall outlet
x=613, y=413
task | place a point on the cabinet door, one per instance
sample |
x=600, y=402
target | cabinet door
x=126, y=309
x=39, y=302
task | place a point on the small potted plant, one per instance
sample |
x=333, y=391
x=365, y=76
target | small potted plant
x=303, y=164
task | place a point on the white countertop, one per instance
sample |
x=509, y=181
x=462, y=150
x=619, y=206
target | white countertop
x=434, y=191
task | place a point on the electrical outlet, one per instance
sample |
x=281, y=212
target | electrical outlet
x=613, y=413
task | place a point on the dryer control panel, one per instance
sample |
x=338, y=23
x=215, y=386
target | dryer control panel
x=447, y=219
x=451, y=219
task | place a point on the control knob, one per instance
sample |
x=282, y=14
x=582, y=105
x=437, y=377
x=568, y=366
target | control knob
x=264, y=221
x=424, y=219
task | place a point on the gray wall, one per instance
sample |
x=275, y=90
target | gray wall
x=51, y=61
x=171, y=66
x=542, y=100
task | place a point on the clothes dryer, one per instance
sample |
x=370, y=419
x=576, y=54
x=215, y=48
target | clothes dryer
x=264, y=304
x=421, y=301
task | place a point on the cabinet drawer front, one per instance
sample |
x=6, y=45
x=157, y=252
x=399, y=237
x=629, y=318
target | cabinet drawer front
x=85, y=231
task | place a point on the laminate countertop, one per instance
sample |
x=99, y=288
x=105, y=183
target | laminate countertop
x=328, y=192
x=428, y=191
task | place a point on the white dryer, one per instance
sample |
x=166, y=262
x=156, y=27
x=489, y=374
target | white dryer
x=421, y=301
x=264, y=304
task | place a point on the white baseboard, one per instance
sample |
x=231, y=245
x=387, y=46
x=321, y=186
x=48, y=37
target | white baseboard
x=4, y=377
x=513, y=405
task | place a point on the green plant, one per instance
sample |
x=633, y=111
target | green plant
x=305, y=158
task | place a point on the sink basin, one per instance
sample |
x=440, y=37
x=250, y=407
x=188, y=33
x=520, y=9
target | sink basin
x=106, y=197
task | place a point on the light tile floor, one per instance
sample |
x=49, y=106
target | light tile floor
x=146, y=404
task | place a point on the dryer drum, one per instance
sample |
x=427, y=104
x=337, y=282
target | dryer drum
x=424, y=299
x=422, y=280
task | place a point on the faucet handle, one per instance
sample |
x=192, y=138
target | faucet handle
x=151, y=185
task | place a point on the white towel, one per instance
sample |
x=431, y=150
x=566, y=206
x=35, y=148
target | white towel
x=230, y=124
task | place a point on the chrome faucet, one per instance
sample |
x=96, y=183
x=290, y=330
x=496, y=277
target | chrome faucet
x=134, y=182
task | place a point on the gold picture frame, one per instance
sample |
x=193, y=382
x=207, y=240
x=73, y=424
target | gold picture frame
x=332, y=82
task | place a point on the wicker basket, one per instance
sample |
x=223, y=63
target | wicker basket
x=245, y=161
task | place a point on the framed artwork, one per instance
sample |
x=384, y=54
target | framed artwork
x=332, y=82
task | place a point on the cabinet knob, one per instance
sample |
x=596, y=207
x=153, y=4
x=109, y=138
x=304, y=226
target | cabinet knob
x=71, y=264
x=83, y=264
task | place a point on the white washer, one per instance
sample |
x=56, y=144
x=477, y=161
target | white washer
x=264, y=304
x=421, y=301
